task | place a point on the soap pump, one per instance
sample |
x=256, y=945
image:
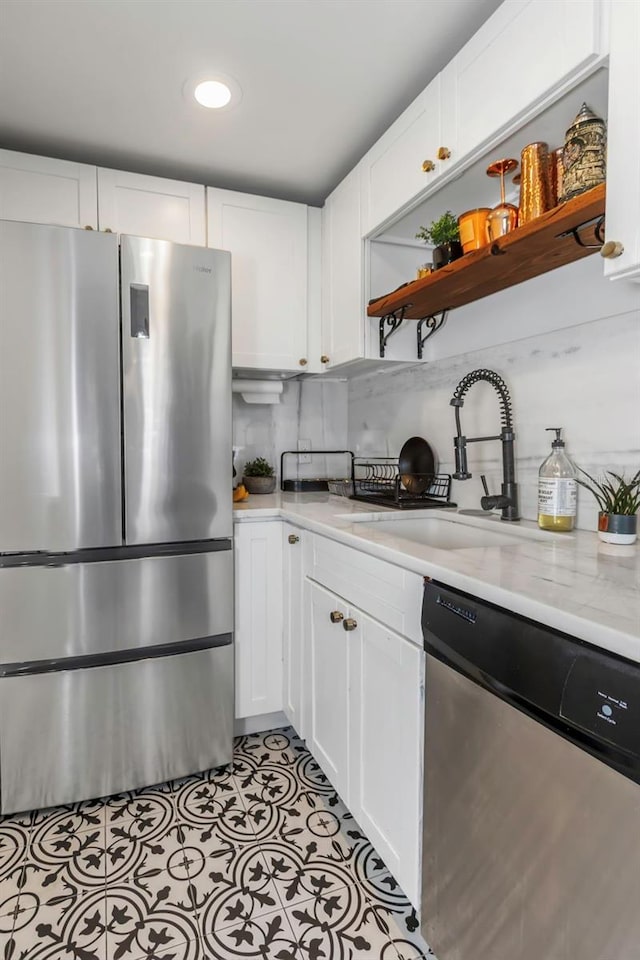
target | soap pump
x=557, y=488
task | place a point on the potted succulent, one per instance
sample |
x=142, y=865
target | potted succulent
x=259, y=476
x=444, y=234
x=619, y=501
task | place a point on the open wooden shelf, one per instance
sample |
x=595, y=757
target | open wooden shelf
x=526, y=252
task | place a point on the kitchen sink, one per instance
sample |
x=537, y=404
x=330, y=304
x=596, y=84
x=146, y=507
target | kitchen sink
x=452, y=532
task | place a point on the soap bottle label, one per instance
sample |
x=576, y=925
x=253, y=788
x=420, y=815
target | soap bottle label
x=557, y=497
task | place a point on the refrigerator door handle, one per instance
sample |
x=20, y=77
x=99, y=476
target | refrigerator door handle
x=139, y=304
x=113, y=658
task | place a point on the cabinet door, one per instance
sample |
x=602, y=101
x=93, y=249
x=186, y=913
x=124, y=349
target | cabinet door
x=342, y=283
x=294, y=624
x=151, y=207
x=386, y=700
x=330, y=740
x=526, y=53
x=623, y=154
x=268, y=243
x=42, y=190
x=258, y=630
x=392, y=170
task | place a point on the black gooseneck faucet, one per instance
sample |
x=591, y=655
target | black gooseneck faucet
x=508, y=498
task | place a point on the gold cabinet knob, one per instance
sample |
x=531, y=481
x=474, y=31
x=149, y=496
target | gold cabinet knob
x=350, y=624
x=611, y=249
x=428, y=166
x=336, y=616
x=324, y=358
x=292, y=538
x=444, y=153
x=303, y=361
x=88, y=227
x=107, y=230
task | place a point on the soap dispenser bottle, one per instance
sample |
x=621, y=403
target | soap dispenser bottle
x=557, y=488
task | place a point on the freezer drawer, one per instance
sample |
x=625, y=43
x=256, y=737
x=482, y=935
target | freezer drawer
x=84, y=733
x=80, y=609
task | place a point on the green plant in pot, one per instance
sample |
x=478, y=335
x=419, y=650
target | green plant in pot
x=619, y=502
x=444, y=234
x=259, y=476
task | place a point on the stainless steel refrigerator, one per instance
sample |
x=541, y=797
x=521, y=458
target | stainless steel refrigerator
x=116, y=574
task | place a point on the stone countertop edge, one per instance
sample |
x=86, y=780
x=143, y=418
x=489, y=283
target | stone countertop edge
x=568, y=583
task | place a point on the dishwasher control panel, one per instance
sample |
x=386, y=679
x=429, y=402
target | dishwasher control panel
x=603, y=698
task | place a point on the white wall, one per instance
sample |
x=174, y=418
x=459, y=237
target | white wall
x=584, y=377
x=313, y=410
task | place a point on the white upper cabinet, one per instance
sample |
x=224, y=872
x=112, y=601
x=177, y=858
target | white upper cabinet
x=408, y=157
x=43, y=190
x=151, y=207
x=342, y=303
x=623, y=155
x=526, y=54
x=268, y=243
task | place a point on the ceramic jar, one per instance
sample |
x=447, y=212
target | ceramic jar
x=473, y=229
x=585, y=154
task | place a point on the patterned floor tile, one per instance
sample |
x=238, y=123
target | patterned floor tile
x=231, y=883
x=299, y=875
x=340, y=924
x=268, y=937
x=50, y=925
x=396, y=914
x=14, y=844
x=208, y=823
x=150, y=914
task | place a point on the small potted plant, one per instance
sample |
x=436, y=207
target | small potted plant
x=259, y=476
x=444, y=234
x=619, y=501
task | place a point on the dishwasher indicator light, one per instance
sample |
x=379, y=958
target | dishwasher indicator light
x=606, y=709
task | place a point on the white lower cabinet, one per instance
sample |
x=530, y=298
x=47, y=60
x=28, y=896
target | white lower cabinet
x=258, y=626
x=294, y=541
x=366, y=726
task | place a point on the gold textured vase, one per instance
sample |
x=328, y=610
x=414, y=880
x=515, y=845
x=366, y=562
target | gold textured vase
x=535, y=185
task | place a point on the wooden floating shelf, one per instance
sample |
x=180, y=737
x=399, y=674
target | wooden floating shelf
x=526, y=252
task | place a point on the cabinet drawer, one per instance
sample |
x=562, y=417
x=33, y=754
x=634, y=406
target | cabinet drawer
x=390, y=594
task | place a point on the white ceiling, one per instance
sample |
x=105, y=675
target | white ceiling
x=101, y=81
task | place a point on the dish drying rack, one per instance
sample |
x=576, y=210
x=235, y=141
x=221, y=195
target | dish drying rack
x=377, y=480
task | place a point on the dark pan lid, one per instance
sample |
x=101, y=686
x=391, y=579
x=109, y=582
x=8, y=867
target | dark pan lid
x=416, y=465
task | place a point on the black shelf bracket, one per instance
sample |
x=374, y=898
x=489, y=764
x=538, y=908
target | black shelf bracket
x=598, y=231
x=393, y=321
x=433, y=324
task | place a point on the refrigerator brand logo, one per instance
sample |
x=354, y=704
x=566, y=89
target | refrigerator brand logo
x=202, y=269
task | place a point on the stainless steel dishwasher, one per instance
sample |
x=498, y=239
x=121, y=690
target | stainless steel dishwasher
x=531, y=830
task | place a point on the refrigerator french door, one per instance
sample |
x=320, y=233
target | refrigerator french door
x=116, y=581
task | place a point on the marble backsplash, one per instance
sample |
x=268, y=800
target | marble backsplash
x=313, y=410
x=585, y=379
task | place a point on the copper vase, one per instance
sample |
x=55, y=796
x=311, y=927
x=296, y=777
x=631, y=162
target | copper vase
x=535, y=186
x=556, y=169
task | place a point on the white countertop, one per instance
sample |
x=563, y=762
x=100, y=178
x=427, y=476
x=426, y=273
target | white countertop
x=572, y=582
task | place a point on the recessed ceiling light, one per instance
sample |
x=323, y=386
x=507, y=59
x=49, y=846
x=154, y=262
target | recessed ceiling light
x=213, y=94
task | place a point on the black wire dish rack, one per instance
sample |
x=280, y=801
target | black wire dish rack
x=377, y=480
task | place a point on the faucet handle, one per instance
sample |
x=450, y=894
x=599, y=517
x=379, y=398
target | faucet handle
x=484, y=484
